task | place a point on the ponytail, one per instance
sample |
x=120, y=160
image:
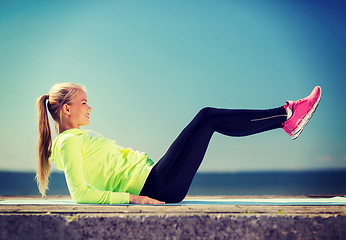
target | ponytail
x=44, y=145
x=59, y=94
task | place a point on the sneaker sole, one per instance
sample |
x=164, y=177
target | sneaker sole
x=306, y=119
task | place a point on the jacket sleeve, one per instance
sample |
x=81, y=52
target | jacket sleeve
x=80, y=191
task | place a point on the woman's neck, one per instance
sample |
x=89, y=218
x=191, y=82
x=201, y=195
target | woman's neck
x=64, y=128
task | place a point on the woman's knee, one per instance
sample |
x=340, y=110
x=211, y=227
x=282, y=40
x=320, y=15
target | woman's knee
x=205, y=113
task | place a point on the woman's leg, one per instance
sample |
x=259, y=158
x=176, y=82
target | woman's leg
x=171, y=177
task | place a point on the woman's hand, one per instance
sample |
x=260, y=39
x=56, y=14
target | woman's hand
x=143, y=200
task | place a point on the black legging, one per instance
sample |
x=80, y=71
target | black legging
x=171, y=177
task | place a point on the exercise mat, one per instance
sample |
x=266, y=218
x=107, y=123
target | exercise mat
x=202, y=201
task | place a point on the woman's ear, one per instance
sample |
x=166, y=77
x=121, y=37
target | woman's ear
x=66, y=109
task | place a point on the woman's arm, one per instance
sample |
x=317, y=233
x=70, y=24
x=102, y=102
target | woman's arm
x=81, y=192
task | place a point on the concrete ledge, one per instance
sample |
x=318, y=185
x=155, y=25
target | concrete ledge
x=172, y=222
x=172, y=227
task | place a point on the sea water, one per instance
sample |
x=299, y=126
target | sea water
x=318, y=182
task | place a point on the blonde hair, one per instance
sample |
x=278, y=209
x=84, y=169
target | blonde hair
x=59, y=94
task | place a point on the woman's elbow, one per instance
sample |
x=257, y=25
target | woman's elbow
x=79, y=196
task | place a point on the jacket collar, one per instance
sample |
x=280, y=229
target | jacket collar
x=74, y=131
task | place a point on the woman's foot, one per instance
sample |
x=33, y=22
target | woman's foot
x=301, y=112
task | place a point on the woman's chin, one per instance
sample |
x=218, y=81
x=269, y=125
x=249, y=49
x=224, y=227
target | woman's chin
x=84, y=124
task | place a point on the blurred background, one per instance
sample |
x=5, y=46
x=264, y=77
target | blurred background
x=150, y=66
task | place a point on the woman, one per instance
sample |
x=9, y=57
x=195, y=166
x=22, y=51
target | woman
x=99, y=171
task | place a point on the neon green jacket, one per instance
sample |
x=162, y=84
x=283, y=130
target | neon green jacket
x=97, y=170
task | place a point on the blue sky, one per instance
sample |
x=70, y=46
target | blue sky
x=149, y=66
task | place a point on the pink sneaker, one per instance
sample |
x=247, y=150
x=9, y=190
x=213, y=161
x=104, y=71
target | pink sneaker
x=302, y=110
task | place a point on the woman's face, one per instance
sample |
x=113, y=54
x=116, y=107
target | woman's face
x=79, y=110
